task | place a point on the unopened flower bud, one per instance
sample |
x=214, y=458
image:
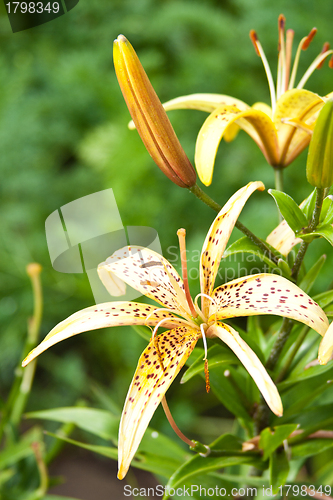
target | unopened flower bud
x=319, y=167
x=149, y=116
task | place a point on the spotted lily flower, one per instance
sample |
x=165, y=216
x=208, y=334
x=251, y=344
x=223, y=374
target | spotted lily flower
x=152, y=275
x=282, y=131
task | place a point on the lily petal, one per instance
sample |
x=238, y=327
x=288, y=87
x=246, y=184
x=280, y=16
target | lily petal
x=326, y=346
x=251, y=362
x=283, y=238
x=149, y=384
x=149, y=273
x=266, y=294
x=204, y=102
x=218, y=236
x=301, y=105
x=255, y=122
x=102, y=316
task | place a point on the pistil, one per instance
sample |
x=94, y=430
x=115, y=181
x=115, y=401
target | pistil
x=181, y=233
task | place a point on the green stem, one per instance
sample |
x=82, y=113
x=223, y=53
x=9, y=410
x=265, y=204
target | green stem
x=201, y=195
x=278, y=176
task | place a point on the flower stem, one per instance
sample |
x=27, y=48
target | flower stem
x=174, y=426
x=199, y=193
x=278, y=176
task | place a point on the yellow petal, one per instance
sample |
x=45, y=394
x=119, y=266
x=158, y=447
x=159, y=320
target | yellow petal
x=283, y=238
x=114, y=285
x=301, y=105
x=266, y=294
x=102, y=316
x=149, y=273
x=149, y=384
x=204, y=102
x=149, y=116
x=254, y=122
x=218, y=236
x=251, y=362
x=326, y=346
x=262, y=106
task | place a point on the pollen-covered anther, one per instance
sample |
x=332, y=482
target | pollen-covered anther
x=309, y=39
x=325, y=48
x=255, y=41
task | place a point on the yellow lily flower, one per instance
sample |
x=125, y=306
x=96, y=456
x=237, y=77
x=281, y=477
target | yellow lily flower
x=281, y=130
x=152, y=275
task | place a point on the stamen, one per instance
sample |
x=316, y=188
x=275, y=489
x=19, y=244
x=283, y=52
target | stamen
x=305, y=42
x=325, y=48
x=204, y=340
x=172, y=318
x=309, y=39
x=261, y=54
x=182, y=246
x=321, y=57
x=196, y=303
x=330, y=63
x=151, y=264
x=281, y=57
x=289, y=47
x=150, y=283
x=174, y=425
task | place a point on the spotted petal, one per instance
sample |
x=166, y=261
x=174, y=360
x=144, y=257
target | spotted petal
x=149, y=384
x=326, y=346
x=149, y=273
x=251, y=362
x=102, y=316
x=218, y=236
x=303, y=106
x=266, y=294
x=283, y=238
x=254, y=122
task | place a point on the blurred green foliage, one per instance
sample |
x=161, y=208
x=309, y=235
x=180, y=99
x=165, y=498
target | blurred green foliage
x=63, y=135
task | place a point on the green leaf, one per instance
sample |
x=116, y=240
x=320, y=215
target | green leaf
x=310, y=447
x=324, y=299
x=99, y=422
x=278, y=469
x=326, y=213
x=324, y=230
x=161, y=465
x=217, y=355
x=270, y=439
x=245, y=245
x=311, y=276
x=20, y=450
x=203, y=465
x=289, y=210
x=309, y=204
x=226, y=392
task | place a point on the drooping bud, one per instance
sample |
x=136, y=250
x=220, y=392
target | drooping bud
x=150, y=117
x=319, y=166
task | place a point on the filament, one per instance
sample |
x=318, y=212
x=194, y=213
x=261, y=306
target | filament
x=261, y=54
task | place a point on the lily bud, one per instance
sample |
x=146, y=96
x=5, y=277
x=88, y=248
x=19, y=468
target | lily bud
x=149, y=116
x=319, y=166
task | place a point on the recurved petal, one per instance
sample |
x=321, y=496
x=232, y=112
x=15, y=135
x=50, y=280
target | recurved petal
x=218, y=236
x=255, y=122
x=102, y=316
x=266, y=294
x=149, y=384
x=303, y=106
x=204, y=102
x=251, y=362
x=149, y=273
x=326, y=346
x=283, y=238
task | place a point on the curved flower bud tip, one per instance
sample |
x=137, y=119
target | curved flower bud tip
x=150, y=117
x=319, y=166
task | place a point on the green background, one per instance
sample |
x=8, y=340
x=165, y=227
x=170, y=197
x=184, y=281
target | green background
x=63, y=135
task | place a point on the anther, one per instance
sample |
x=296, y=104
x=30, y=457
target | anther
x=151, y=264
x=325, y=48
x=330, y=63
x=207, y=376
x=309, y=39
x=254, y=40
